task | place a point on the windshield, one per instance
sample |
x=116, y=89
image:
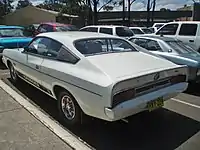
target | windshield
x=137, y=31
x=146, y=30
x=102, y=45
x=14, y=32
x=158, y=26
x=124, y=31
x=66, y=28
x=181, y=47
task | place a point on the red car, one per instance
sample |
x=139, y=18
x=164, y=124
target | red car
x=54, y=27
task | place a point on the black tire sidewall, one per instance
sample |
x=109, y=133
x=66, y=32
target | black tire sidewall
x=13, y=80
x=78, y=111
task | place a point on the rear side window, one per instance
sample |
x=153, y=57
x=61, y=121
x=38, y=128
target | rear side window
x=49, y=28
x=93, y=29
x=188, y=29
x=169, y=29
x=106, y=30
x=124, y=31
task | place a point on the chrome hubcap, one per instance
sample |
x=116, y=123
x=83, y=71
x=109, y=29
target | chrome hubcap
x=68, y=107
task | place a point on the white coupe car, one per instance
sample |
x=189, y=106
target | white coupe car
x=96, y=74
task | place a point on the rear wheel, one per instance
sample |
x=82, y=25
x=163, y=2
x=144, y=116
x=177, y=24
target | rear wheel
x=69, y=110
x=13, y=73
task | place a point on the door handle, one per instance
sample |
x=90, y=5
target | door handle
x=36, y=66
x=191, y=40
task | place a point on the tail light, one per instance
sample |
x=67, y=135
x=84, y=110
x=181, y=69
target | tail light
x=123, y=96
x=178, y=79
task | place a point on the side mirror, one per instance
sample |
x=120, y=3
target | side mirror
x=25, y=48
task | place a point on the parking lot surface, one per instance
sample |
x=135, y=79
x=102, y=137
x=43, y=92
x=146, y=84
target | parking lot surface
x=176, y=126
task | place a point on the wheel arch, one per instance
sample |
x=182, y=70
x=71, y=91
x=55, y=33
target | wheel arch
x=57, y=88
x=8, y=62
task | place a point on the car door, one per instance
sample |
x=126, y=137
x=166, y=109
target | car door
x=57, y=61
x=35, y=53
x=188, y=32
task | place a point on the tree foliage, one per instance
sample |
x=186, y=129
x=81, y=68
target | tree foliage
x=5, y=7
x=23, y=3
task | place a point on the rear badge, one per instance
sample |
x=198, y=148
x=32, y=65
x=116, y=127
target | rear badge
x=157, y=76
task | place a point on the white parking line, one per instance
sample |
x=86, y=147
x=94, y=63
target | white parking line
x=48, y=122
x=186, y=103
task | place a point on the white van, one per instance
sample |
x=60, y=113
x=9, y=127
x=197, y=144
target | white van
x=121, y=31
x=186, y=31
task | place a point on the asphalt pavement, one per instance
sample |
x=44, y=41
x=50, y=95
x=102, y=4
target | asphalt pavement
x=176, y=126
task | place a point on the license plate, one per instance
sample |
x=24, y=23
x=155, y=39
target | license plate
x=152, y=105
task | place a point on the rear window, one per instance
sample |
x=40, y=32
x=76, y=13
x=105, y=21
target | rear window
x=66, y=28
x=146, y=30
x=102, y=45
x=137, y=31
x=106, y=30
x=124, y=31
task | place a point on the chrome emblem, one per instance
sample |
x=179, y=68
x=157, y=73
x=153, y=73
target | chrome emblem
x=157, y=76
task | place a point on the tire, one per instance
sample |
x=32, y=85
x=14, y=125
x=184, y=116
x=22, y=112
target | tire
x=66, y=102
x=199, y=50
x=13, y=74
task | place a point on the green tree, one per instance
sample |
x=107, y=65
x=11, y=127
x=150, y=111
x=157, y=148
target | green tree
x=5, y=7
x=23, y=3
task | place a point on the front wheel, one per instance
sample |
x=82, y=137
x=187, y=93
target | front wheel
x=13, y=73
x=69, y=110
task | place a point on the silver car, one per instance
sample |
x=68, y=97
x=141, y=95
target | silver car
x=172, y=50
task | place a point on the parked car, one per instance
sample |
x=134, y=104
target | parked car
x=186, y=31
x=173, y=50
x=99, y=75
x=31, y=30
x=121, y=31
x=55, y=27
x=137, y=30
x=12, y=37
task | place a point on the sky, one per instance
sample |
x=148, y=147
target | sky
x=140, y=5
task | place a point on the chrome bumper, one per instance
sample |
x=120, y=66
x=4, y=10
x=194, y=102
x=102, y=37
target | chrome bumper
x=139, y=104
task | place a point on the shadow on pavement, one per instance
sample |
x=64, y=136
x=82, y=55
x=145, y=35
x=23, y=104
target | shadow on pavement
x=161, y=129
x=193, y=89
x=2, y=66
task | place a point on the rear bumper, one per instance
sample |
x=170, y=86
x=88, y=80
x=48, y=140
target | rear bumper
x=139, y=104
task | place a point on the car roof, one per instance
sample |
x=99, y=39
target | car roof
x=134, y=27
x=162, y=38
x=11, y=27
x=186, y=22
x=55, y=24
x=71, y=36
x=107, y=26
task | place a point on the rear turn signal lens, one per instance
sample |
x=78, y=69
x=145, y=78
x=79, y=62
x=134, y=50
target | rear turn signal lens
x=123, y=96
x=178, y=79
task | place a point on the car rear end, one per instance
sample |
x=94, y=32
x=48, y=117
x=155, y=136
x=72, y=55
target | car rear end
x=145, y=92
